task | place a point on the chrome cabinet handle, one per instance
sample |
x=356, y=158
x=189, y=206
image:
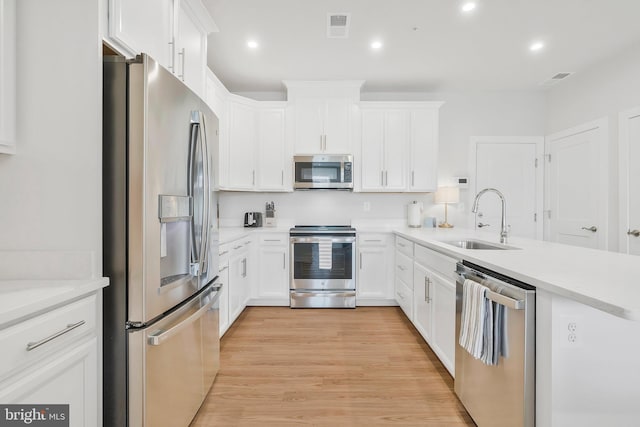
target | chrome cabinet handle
x=172, y=43
x=382, y=178
x=253, y=177
x=592, y=229
x=223, y=253
x=182, y=54
x=402, y=245
x=69, y=328
x=634, y=233
x=269, y=240
x=480, y=225
x=413, y=178
x=284, y=261
x=282, y=178
x=321, y=145
x=237, y=247
x=373, y=240
x=360, y=260
x=386, y=178
x=427, y=290
x=223, y=269
x=401, y=268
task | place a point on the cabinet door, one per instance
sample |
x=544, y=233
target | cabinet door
x=273, y=162
x=67, y=377
x=236, y=285
x=372, y=157
x=309, y=125
x=191, y=53
x=373, y=278
x=224, y=297
x=422, y=293
x=242, y=174
x=8, y=76
x=444, y=319
x=143, y=26
x=396, y=135
x=273, y=273
x=424, y=150
x=337, y=126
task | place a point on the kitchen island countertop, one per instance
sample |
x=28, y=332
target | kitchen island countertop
x=601, y=279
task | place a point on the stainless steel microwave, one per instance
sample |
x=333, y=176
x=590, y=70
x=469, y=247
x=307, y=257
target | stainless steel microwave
x=323, y=171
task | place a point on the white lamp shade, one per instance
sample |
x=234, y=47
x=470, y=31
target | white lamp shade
x=447, y=195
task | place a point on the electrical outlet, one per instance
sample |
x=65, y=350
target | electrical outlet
x=572, y=338
x=572, y=332
x=366, y=206
x=572, y=326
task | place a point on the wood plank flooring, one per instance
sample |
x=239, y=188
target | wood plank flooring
x=324, y=367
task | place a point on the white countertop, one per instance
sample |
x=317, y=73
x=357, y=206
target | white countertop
x=25, y=298
x=229, y=234
x=601, y=279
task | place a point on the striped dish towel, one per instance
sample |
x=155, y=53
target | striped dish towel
x=325, y=254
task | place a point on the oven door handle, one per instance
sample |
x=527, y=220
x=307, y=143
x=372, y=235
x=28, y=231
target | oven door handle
x=311, y=294
x=311, y=239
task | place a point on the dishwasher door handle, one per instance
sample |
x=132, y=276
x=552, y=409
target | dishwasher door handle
x=514, y=304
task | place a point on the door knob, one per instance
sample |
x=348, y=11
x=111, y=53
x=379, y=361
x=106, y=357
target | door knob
x=480, y=225
x=593, y=228
x=634, y=233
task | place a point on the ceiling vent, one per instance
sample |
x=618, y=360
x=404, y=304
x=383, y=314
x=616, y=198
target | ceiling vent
x=555, y=79
x=338, y=25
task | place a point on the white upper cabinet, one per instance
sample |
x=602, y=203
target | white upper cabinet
x=7, y=76
x=323, y=116
x=274, y=160
x=256, y=148
x=173, y=32
x=423, y=163
x=399, y=146
x=242, y=142
x=385, y=135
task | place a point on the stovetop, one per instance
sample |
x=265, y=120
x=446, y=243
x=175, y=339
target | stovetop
x=322, y=229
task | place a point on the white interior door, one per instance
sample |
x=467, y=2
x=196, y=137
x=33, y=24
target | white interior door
x=577, y=183
x=630, y=181
x=512, y=165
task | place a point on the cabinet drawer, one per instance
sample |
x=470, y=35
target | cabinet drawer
x=373, y=239
x=404, y=297
x=435, y=261
x=404, y=268
x=27, y=341
x=405, y=246
x=274, y=239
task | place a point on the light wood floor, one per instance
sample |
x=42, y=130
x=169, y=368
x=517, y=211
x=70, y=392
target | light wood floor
x=323, y=367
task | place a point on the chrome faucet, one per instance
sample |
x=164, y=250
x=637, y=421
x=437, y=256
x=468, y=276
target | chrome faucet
x=503, y=222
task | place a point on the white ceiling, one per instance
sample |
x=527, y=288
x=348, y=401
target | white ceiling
x=485, y=50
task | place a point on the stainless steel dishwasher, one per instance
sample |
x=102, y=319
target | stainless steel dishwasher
x=502, y=394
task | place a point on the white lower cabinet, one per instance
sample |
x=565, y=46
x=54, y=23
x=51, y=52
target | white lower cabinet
x=374, y=272
x=235, y=264
x=422, y=301
x=272, y=284
x=52, y=358
x=223, y=273
x=432, y=296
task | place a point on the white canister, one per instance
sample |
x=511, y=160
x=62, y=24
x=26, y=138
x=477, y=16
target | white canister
x=414, y=214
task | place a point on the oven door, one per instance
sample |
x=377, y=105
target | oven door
x=306, y=271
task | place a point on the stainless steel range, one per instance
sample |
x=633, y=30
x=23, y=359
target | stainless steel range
x=323, y=273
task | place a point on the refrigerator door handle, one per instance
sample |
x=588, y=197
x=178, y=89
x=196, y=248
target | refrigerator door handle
x=193, y=137
x=161, y=337
x=206, y=223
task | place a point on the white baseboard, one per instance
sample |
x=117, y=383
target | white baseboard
x=269, y=302
x=375, y=302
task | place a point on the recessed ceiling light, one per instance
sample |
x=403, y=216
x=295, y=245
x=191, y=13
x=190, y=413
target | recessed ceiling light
x=536, y=46
x=376, y=45
x=252, y=44
x=468, y=6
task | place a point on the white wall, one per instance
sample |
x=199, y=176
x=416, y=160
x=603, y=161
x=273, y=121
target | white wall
x=51, y=189
x=463, y=115
x=602, y=90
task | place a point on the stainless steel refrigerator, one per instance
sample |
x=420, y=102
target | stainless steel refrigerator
x=161, y=337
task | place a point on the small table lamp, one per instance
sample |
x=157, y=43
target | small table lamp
x=447, y=195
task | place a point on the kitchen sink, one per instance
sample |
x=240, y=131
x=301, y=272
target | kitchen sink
x=478, y=244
